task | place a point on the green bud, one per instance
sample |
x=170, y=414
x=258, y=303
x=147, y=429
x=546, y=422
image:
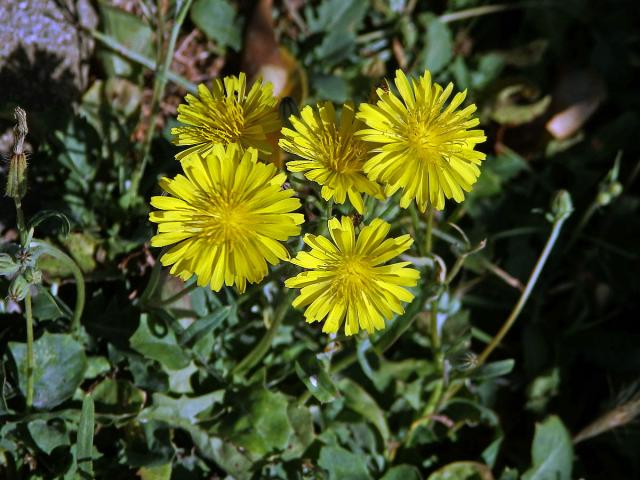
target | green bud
x=8, y=265
x=18, y=288
x=17, y=177
x=603, y=199
x=32, y=275
x=561, y=206
x=614, y=189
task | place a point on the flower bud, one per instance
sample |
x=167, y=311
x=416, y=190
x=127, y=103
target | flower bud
x=8, y=266
x=17, y=177
x=32, y=275
x=603, y=199
x=18, y=288
x=561, y=206
x=614, y=189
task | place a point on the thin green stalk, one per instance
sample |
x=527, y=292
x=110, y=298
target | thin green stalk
x=428, y=236
x=184, y=291
x=22, y=229
x=125, y=52
x=584, y=220
x=438, y=359
x=30, y=366
x=455, y=269
x=263, y=346
x=154, y=280
x=55, y=252
x=415, y=221
x=476, y=12
x=158, y=92
x=526, y=293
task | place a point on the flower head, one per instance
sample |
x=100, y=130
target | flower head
x=425, y=148
x=348, y=278
x=330, y=154
x=227, y=114
x=226, y=216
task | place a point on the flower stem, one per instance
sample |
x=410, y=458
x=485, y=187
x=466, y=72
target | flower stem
x=22, y=229
x=415, y=220
x=428, y=236
x=261, y=349
x=30, y=366
x=55, y=252
x=164, y=61
x=184, y=291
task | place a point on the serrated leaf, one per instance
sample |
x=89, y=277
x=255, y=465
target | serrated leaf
x=438, y=48
x=155, y=340
x=316, y=379
x=359, y=400
x=462, y=471
x=48, y=435
x=340, y=464
x=84, y=447
x=551, y=452
x=402, y=472
x=59, y=366
x=217, y=19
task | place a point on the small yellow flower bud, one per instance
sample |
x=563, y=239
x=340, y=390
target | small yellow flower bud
x=18, y=288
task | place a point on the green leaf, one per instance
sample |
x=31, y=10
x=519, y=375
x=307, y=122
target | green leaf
x=48, y=435
x=203, y=326
x=43, y=215
x=131, y=32
x=182, y=410
x=158, y=472
x=316, y=378
x=59, y=366
x=493, y=370
x=340, y=464
x=118, y=396
x=551, y=452
x=358, y=400
x=462, y=471
x=402, y=472
x=438, y=49
x=259, y=422
x=302, y=431
x=217, y=19
x=84, y=447
x=155, y=340
x=45, y=306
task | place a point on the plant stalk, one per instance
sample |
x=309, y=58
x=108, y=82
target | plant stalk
x=30, y=366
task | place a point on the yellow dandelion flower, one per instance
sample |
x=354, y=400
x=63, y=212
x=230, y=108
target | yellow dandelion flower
x=331, y=155
x=425, y=148
x=226, y=216
x=228, y=114
x=347, y=278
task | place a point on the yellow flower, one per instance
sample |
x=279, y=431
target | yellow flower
x=226, y=216
x=347, y=278
x=331, y=156
x=425, y=148
x=227, y=114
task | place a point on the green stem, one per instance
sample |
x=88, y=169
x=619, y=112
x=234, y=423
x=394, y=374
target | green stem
x=123, y=51
x=30, y=366
x=55, y=252
x=415, y=221
x=526, y=293
x=177, y=296
x=428, y=236
x=261, y=349
x=154, y=279
x=455, y=269
x=22, y=229
x=158, y=92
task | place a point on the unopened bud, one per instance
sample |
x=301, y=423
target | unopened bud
x=17, y=171
x=603, y=199
x=8, y=266
x=18, y=288
x=561, y=206
x=32, y=275
x=614, y=189
x=17, y=177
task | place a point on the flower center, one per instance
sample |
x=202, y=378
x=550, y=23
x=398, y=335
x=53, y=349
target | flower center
x=227, y=123
x=341, y=155
x=354, y=275
x=222, y=220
